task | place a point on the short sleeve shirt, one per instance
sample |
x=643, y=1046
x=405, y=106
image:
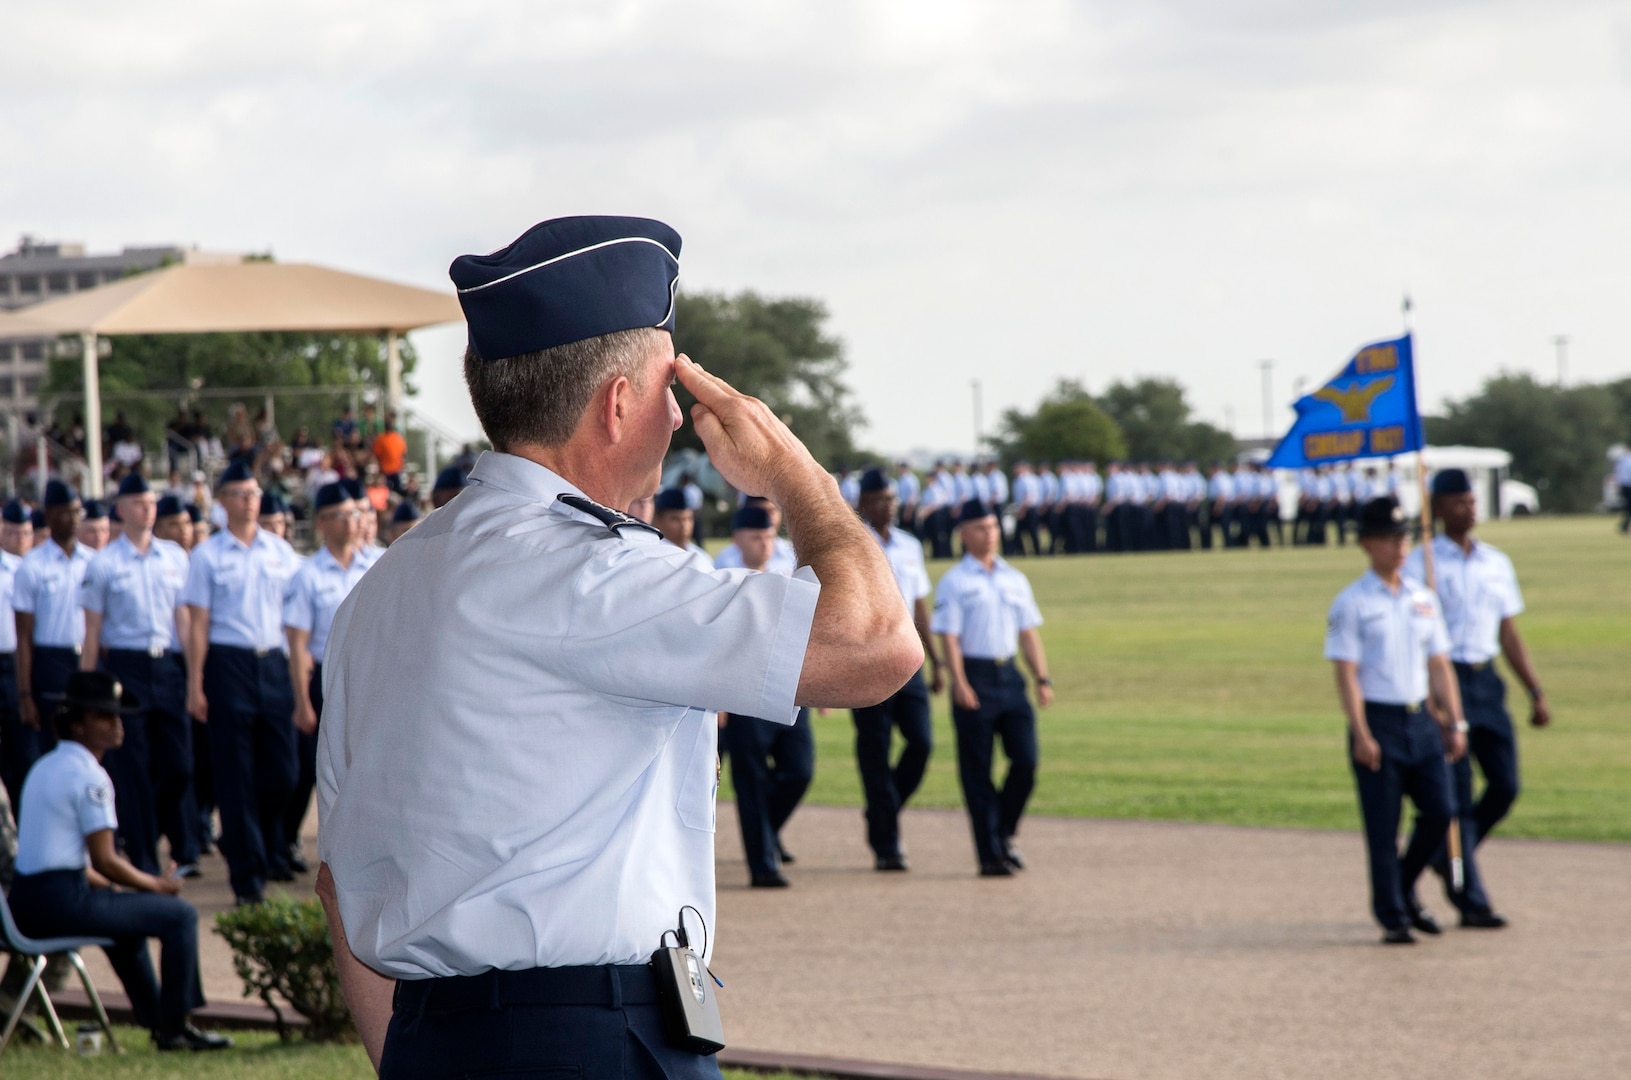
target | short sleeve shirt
x=242, y=586
x=9, y=565
x=136, y=594
x=67, y=797
x=905, y=554
x=316, y=591
x=985, y=609
x=518, y=758
x=1477, y=590
x=1389, y=635
x=47, y=587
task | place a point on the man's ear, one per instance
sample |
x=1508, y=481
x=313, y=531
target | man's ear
x=616, y=406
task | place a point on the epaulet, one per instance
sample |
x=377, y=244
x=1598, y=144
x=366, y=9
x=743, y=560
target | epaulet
x=615, y=520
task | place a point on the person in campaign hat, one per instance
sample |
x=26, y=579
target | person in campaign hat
x=772, y=763
x=1478, y=591
x=238, y=682
x=135, y=625
x=554, y=730
x=887, y=787
x=1387, y=641
x=67, y=860
x=986, y=616
x=50, y=631
x=674, y=517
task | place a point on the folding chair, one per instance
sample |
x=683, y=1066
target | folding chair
x=41, y=951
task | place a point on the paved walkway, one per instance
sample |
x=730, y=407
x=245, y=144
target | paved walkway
x=1138, y=950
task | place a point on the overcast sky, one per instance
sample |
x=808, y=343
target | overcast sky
x=1009, y=192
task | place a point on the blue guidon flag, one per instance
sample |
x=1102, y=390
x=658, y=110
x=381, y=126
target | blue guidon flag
x=1367, y=410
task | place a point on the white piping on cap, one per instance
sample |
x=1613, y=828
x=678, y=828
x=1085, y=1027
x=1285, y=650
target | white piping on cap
x=581, y=251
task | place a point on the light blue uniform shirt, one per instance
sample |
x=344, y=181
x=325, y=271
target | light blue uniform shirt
x=1476, y=590
x=1050, y=486
x=905, y=554
x=136, y=594
x=1389, y=635
x=1027, y=489
x=907, y=487
x=242, y=586
x=986, y=609
x=66, y=797
x=47, y=587
x=9, y=564
x=517, y=761
x=316, y=592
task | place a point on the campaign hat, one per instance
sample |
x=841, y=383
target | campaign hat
x=569, y=279
x=97, y=691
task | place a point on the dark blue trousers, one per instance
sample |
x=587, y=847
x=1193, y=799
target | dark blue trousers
x=252, y=749
x=1412, y=765
x=887, y=788
x=771, y=768
x=1005, y=712
x=153, y=771
x=25, y=745
x=60, y=903
x=305, y=762
x=547, y=1022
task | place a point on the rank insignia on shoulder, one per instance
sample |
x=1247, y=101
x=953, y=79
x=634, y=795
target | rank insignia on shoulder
x=615, y=520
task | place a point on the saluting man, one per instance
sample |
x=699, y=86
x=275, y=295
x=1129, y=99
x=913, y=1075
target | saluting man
x=1387, y=640
x=313, y=596
x=1479, y=592
x=985, y=614
x=50, y=630
x=238, y=682
x=886, y=787
x=135, y=624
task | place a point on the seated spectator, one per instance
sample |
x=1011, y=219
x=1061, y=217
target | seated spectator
x=67, y=864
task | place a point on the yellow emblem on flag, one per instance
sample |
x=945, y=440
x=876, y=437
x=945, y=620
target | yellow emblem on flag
x=1355, y=401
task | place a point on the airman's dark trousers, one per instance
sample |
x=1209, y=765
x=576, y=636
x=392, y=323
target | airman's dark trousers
x=23, y=745
x=252, y=749
x=152, y=771
x=888, y=788
x=1005, y=712
x=306, y=762
x=771, y=768
x=1412, y=764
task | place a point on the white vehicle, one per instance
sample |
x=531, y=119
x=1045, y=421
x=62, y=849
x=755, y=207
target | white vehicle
x=1486, y=466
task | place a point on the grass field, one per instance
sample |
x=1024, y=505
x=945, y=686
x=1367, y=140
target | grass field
x=1191, y=687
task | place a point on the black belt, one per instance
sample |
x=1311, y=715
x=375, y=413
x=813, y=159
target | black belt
x=151, y=653
x=1412, y=707
x=75, y=649
x=611, y=986
x=993, y=661
x=257, y=653
x=1482, y=665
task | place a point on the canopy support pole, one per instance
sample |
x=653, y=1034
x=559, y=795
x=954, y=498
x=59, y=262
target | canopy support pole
x=93, y=414
x=393, y=375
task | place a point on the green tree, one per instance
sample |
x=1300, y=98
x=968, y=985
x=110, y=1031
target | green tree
x=1155, y=416
x=1068, y=424
x=1557, y=436
x=778, y=350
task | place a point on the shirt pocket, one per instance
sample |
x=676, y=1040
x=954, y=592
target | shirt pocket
x=699, y=785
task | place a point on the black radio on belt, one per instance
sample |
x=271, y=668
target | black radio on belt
x=685, y=992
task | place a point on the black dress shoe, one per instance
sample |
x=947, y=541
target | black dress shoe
x=783, y=854
x=1000, y=869
x=1482, y=920
x=1423, y=920
x=280, y=873
x=890, y=862
x=190, y=1038
x=1011, y=855
x=189, y=871
x=1398, y=935
x=772, y=880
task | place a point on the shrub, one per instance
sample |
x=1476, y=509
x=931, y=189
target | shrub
x=281, y=946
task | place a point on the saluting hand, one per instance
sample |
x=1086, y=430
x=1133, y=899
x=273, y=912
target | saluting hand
x=749, y=445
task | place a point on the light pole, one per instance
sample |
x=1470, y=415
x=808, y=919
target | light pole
x=1268, y=397
x=1562, y=343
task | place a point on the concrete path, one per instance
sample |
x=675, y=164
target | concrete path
x=1136, y=950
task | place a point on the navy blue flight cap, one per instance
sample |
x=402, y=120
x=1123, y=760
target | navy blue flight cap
x=15, y=513
x=974, y=510
x=750, y=517
x=1382, y=516
x=113, y=512
x=37, y=519
x=566, y=280
x=194, y=514
x=405, y=511
x=272, y=503
x=876, y=480
x=329, y=495
x=134, y=484
x=236, y=473
x=353, y=488
x=669, y=499
x=94, y=510
x=1451, y=482
x=450, y=478
x=169, y=506
x=58, y=494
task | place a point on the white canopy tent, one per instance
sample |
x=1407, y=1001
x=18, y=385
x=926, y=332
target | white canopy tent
x=231, y=297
